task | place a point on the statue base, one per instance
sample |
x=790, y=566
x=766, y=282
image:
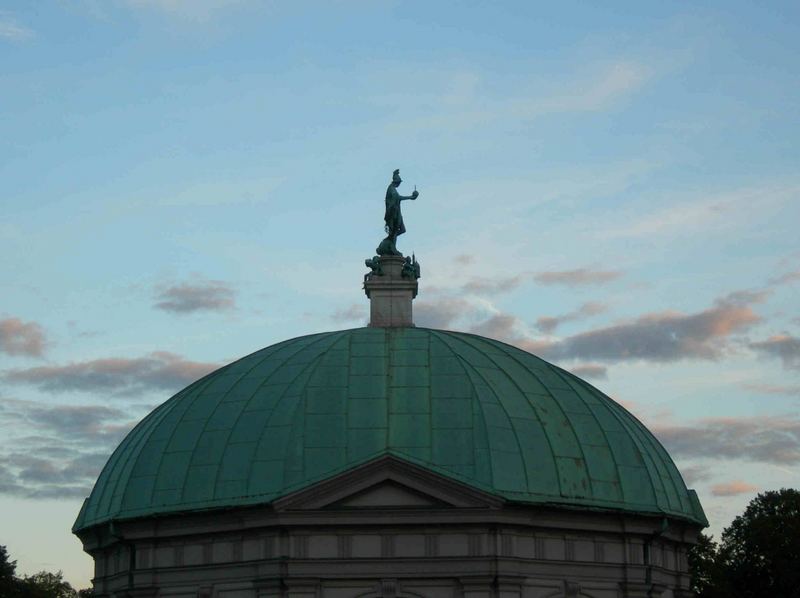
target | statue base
x=390, y=295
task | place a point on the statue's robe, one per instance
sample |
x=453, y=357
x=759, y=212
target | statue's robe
x=393, y=216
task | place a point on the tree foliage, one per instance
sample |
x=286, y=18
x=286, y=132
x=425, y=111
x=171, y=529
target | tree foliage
x=39, y=585
x=46, y=585
x=760, y=550
x=703, y=563
x=8, y=570
x=758, y=554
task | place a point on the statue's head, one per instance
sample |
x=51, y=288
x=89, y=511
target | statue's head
x=396, y=177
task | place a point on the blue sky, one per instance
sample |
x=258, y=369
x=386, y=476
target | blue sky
x=613, y=186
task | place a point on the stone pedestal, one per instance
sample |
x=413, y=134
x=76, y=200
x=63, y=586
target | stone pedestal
x=390, y=295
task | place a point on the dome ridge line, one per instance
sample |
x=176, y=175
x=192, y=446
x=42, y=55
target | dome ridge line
x=666, y=458
x=193, y=451
x=148, y=427
x=440, y=335
x=656, y=447
x=569, y=380
x=633, y=433
x=667, y=484
x=502, y=347
x=92, y=502
x=239, y=416
x=312, y=364
x=180, y=400
x=563, y=411
x=471, y=343
x=511, y=422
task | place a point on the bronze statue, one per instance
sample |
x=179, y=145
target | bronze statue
x=411, y=268
x=376, y=269
x=393, y=217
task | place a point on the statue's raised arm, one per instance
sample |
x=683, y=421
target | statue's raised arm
x=393, y=217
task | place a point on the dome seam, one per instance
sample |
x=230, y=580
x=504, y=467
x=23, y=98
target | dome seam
x=239, y=416
x=564, y=413
x=510, y=419
x=194, y=448
x=147, y=429
x=615, y=407
x=568, y=379
x=313, y=365
x=468, y=366
x=651, y=441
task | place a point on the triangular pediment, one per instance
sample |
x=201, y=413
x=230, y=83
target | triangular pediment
x=388, y=482
x=387, y=494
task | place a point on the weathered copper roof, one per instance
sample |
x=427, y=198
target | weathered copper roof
x=474, y=409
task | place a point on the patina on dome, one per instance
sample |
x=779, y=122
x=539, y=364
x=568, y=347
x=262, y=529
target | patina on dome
x=474, y=409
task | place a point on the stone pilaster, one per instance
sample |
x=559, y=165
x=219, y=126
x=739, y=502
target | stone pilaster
x=390, y=295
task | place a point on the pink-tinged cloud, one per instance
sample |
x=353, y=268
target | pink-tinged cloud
x=695, y=473
x=765, y=439
x=733, y=488
x=464, y=259
x=590, y=370
x=658, y=337
x=21, y=338
x=548, y=324
x=664, y=336
x=159, y=370
x=441, y=313
x=500, y=326
x=786, y=278
x=578, y=277
x=357, y=312
x=492, y=286
x=773, y=389
x=201, y=295
x=783, y=346
x=69, y=445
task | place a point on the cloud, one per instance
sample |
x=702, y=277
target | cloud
x=499, y=326
x=86, y=467
x=159, y=370
x=95, y=425
x=21, y=338
x=664, y=336
x=492, y=286
x=733, y=488
x=548, y=325
x=786, y=278
x=766, y=439
x=590, y=370
x=595, y=90
x=11, y=30
x=464, y=259
x=703, y=213
x=440, y=313
x=34, y=477
x=784, y=346
x=695, y=473
x=357, y=312
x=579, y=277
x=659, y=337
x=65, y=458
x=199, y=11
x=773, y=389
x=208, y=295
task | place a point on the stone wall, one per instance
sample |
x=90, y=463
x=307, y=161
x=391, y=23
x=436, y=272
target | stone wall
x=203, y=556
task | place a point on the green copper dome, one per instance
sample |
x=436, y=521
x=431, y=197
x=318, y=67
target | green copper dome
x=467, y=407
